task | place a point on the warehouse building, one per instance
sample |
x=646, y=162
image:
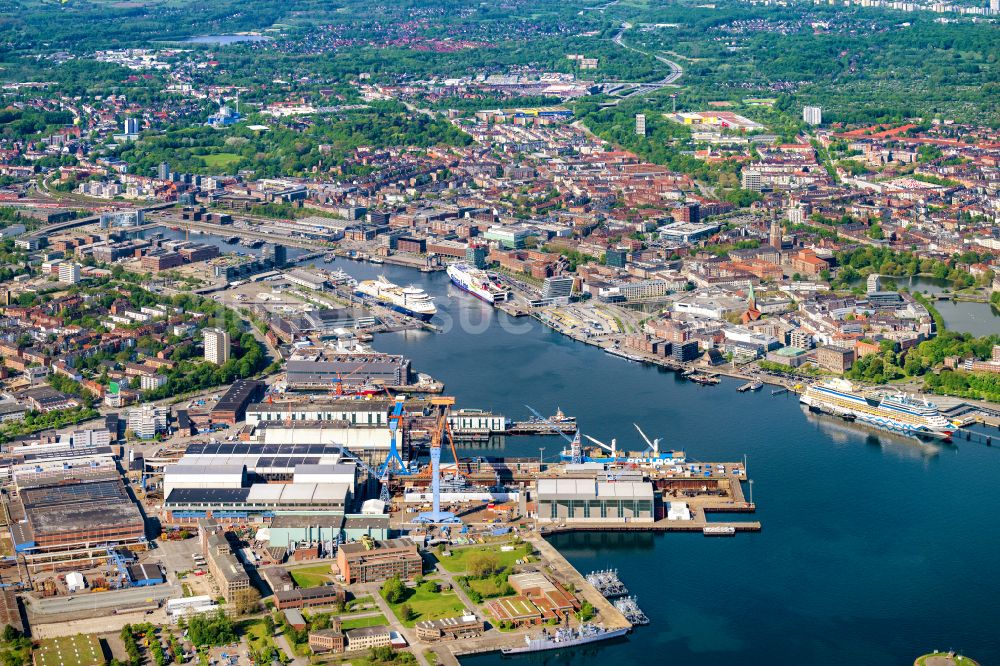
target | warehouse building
x=587, y=500
x=355, y=369
x=355, y=412
x=72, y=522
x=232, y=406
x=465, y=626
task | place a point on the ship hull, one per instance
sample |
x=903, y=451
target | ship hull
x=422, y=316
x=882, y=422
x=538, y=646
x=483, y=297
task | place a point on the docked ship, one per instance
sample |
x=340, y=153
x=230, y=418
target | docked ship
x=411, y=301
x=478, y=282
x=896, y=412
x=565, y=637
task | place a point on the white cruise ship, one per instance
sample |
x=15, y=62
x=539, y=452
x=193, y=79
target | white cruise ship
x=478, y=282
x=898, y=412
x=412, y=301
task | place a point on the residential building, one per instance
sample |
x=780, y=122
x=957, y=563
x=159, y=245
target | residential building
x=812, y=115
x=69, y=272
x=217, y=345
x=640, y=124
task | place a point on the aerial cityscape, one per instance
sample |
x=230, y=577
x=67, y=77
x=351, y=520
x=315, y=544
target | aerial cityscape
x=444, y=332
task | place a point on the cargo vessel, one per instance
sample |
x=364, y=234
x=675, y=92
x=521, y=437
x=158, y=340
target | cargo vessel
x=411, y=301
x=896, y=412
x=479, y=283
x=565, y=637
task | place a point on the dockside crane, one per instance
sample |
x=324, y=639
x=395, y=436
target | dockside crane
x=575, y=447
x=441, y=429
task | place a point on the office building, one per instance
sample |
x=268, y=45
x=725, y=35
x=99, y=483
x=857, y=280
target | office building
x=835, y=359
x=476, y=256
x=616, y=258
x=640, y=124
x=327, y=640
x=366, y=638
x=275, y=253
x=145, y=421
x=223, y=564
x=559, y=286
x=69, y=272
x=163, y=171
x=217, y=345
x=370, y=561
x=685, y=351
x=812, y=115
x=131, y=125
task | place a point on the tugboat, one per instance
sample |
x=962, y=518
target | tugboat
x=565, y=637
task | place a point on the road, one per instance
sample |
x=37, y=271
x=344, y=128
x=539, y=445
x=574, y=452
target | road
x=676, y=71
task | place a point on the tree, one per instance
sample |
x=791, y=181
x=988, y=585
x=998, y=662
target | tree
x=586, y=612
x=406, y=612
x=482, y=563
x=269, y=625
x=246, y=601
x=393, y=590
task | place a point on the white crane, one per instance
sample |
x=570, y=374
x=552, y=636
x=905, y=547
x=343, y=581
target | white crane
x=653, y=445
x=613, y=449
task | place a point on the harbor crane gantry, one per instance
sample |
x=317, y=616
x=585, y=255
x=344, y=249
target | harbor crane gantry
x=575, y=447
x=394, y=462
x=442, y=428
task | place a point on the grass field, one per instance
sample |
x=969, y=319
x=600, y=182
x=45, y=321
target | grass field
x=486, y=587
x=359, y=622
x=79, y=650
x=221, y=160
x=456, y=562
x=428, y=606
x=257, y=637
x=311, y=576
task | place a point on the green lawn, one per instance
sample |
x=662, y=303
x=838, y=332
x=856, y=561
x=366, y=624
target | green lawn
x=221, y=160
x=257, y=636
x=486, y=587
x=428, y=605
x=456, y=562
x=359, y=622
x=311, y=576
x=79, y=650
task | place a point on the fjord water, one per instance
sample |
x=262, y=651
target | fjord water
x=874, y=548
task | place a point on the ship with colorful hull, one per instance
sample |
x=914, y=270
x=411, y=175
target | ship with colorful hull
x=896, y=412
x=479, y=283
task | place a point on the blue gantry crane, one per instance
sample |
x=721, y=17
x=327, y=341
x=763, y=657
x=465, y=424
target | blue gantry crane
x=394, y=462
x=116, y=559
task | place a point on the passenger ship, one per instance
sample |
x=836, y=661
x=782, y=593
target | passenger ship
x=412, y=301
x=898, y=412
x=478, y=282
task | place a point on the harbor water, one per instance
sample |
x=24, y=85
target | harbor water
x=875, y=548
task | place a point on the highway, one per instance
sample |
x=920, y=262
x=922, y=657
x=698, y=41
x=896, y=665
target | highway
x=676, y=71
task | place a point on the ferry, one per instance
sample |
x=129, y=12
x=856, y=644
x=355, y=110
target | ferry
x=411, y=301
x=479, y=283
x=895, y=412
x=565, y=637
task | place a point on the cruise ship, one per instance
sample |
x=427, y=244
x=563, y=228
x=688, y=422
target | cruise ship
x=412, y=301
x=479, y=283
x=897, y=412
